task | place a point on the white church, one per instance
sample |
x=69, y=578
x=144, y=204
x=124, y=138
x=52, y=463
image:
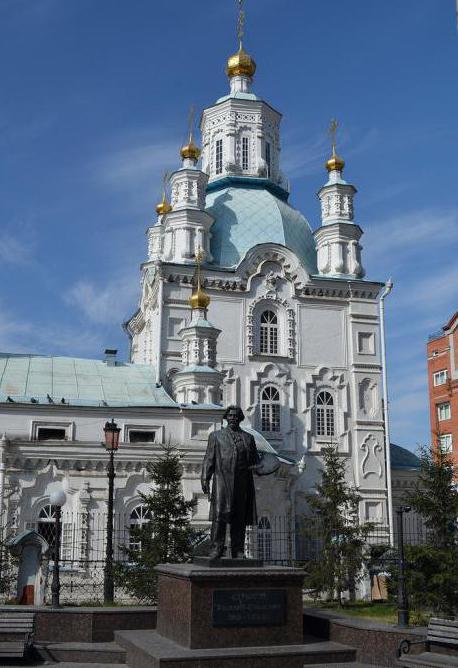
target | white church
x=275, y=317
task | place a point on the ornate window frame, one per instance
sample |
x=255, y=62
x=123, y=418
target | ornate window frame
x=286, y=326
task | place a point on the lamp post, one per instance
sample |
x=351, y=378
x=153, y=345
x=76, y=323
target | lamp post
x=57, y=500
x=111, y=430
x=403, y=602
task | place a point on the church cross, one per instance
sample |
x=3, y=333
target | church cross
x=333, y=133
x=241, y=21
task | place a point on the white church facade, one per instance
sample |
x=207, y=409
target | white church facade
x=283, y=322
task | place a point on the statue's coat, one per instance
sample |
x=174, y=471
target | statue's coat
x=220, y=462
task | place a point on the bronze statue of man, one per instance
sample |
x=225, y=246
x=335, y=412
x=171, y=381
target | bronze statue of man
x=230, y=460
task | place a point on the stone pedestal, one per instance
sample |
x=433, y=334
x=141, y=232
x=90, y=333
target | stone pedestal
x=202, y=607
x=218, y=616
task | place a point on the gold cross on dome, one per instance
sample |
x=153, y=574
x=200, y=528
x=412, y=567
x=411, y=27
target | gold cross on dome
x=333, y=125
x=241, y=21
x=191, y=121
x=200, y=255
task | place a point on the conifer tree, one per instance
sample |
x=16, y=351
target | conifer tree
x=432, y=578
x=339, y=536
x=167, y=537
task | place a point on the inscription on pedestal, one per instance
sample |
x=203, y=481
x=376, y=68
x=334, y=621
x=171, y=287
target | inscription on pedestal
x=249, y=607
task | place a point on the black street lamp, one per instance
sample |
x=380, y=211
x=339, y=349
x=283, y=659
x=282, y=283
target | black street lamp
x=111, y=430
x=57, y=500
x=403, y=601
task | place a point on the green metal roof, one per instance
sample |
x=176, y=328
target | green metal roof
x=401, y=458
x=249, y=212
x=81, y=382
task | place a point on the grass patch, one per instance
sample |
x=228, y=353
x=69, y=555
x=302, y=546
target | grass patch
x=376, y=612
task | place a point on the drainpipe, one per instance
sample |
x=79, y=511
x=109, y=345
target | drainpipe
x=386, y=292
x=160, y=297
x=3, y=445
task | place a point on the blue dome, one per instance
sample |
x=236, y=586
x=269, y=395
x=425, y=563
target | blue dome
x=251, y=211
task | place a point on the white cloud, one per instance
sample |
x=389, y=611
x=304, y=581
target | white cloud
x=136, y=173
x=412, y=232
x=301, y=157
x=14, y=250
x=125, y=169
x=104, y=304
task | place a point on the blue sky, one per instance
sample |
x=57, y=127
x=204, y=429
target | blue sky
x=94, y=101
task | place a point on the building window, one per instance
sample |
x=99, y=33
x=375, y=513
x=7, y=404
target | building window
x=140, y=516
x=270, y=409
x=47, y=526
x=219, y=156
x=268, y=334
x=245, y=144
x=325, y=414
x=443, y=411
x=141, y=436
x=268, y=159
x=440, y=377
x=445, y=443
x=51, y=434
x=264, y=539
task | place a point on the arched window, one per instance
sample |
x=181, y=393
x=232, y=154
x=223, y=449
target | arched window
x=270, y=409
x=268, y=335
x=47, y=526
x=264, y=539
x=139, y=516
x=325, y=414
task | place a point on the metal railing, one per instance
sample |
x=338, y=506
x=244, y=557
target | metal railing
x=275, y=540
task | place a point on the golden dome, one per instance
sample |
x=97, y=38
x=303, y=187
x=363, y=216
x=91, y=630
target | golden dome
x=335, y=162
x=190, y=150
x=199, y=299
x=241, y=63
x=164, y=206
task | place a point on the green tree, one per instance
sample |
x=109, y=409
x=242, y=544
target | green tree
x=167, y=537
x=432, y=579
x=339, y=536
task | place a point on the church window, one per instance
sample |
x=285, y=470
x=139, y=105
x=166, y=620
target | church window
x=268, y=158
x=47, y=525
x=264, y=539
x=270, y=409
x=51, y=434
x=268, y=334
x=141, y=436
x=139, y=516
x=325, y=414
x=219, y=156
x=245, y=145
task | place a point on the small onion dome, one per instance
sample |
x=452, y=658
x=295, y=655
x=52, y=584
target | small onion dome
x=335, y=163
x=199, y=299
x=240, y=64
x=190, y=151
x=163, y=207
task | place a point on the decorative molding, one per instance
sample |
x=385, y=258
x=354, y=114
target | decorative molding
x=289, y=326
x=371, y=463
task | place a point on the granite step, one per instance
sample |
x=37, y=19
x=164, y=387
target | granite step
x=147, y=648
x=351, y=664
x=82, y=652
